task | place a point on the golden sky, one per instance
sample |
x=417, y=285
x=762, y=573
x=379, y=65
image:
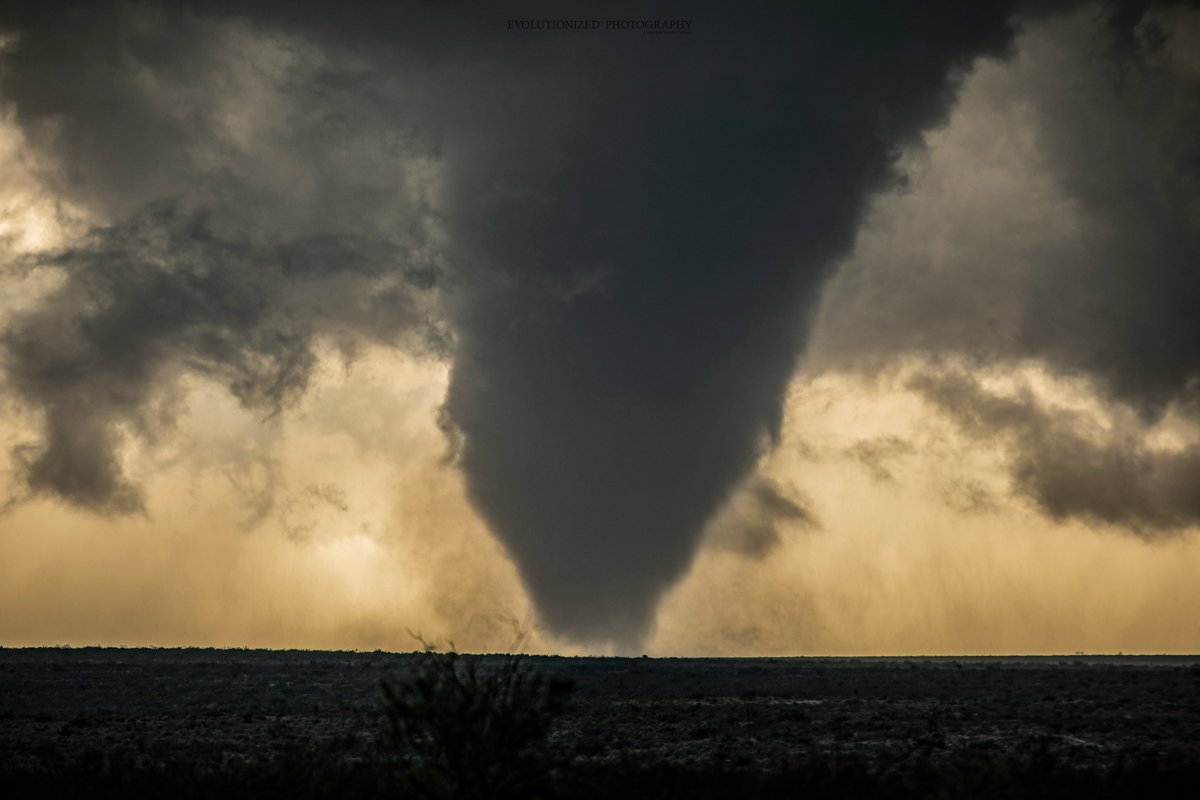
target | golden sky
x=916, y=548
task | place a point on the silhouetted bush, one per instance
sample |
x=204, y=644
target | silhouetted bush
x=459, y=731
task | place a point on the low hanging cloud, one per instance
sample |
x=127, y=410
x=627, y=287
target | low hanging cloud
x=759, y=518
x=165, y=293
x=877, y=453
x=1055, y=221
x=1070, y=463
x=236, y=216
x=1126, y=308
x=1024, y=233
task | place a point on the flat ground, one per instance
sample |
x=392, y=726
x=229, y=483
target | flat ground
x=222, y=710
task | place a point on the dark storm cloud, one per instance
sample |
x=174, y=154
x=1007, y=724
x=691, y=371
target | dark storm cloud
x=247, y=203
x=162, y=293
x=636, y=227
x=1081, y=254
x=1089, y=264
x=1070, y=466
x=1128, y=311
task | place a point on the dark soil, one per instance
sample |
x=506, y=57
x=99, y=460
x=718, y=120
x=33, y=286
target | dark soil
x=231, y=723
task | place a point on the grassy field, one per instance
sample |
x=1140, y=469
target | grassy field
x=206, y=723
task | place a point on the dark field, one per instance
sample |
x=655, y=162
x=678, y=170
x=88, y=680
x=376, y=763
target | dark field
x=304, y=724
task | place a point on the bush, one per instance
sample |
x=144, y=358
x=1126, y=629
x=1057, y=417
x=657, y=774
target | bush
x=462, y=732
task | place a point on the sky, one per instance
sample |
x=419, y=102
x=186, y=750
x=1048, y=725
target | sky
x=850, y=329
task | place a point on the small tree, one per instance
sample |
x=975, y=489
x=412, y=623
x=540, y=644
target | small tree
x=466, y=733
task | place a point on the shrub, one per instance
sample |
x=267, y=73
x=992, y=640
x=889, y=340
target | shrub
x=464, y=732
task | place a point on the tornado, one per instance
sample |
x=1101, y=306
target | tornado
x=644, y=229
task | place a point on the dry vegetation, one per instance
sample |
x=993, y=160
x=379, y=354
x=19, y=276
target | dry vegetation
x=203, y=723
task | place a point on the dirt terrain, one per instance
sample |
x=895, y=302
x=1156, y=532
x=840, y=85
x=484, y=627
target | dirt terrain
x=134, y=711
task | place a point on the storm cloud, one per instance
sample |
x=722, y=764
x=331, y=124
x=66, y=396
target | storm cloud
x=755, y=523
x=1070, y=464
x=619, y=240
x=1054, y=222
x=235, y=213
x=162, y=293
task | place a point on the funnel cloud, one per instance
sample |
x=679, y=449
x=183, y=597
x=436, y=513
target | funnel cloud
x=647, y=257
